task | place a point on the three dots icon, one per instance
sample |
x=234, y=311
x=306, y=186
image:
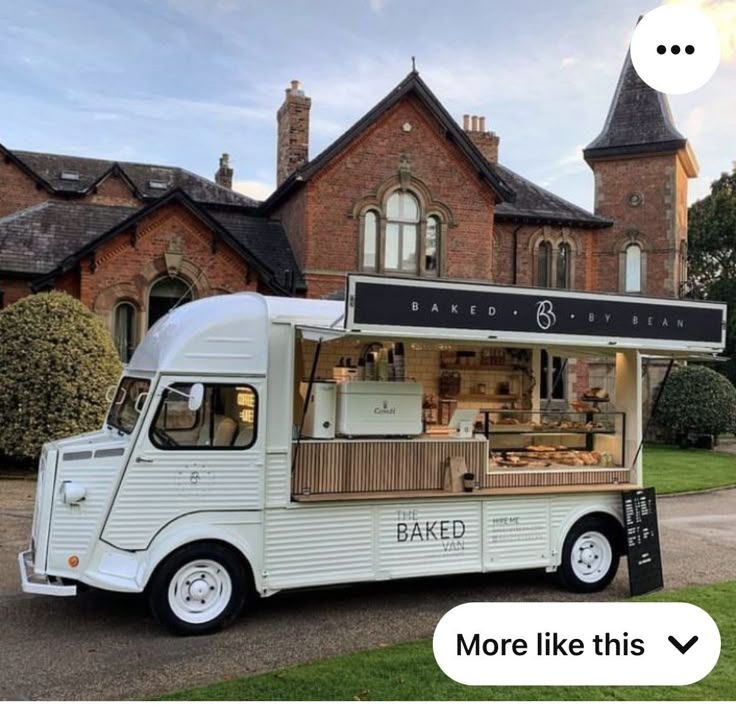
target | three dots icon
x=689, y=49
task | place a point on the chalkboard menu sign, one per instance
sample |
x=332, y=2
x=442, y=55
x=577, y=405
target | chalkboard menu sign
x=642, y=541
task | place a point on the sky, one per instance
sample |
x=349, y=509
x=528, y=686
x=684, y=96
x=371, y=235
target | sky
x=178, y=82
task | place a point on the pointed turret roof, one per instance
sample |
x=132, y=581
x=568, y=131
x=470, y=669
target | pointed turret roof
x=639, y=121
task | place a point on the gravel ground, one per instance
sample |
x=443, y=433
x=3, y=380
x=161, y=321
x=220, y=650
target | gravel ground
x=105, y=646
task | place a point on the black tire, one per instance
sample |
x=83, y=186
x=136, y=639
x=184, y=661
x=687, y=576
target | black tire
x=594, y=566
x=222, y=588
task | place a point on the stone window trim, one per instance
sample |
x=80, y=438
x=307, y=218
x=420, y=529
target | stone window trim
x=556, y=238
x=428, y=207
x=623, y=248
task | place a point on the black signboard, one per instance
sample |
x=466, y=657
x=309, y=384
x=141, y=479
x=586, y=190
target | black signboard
x=642, y=541
x=417, y=304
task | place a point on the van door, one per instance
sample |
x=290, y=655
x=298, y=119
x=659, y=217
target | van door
x=186, y=461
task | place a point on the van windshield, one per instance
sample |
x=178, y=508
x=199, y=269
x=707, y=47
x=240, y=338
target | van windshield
x=123, y=414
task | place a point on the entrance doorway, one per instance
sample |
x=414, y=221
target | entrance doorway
x=165, y=294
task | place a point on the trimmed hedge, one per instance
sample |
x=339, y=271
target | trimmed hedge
x=697, y=400
x=56, y=362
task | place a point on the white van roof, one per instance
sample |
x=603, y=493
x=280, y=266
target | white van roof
x=226, y=334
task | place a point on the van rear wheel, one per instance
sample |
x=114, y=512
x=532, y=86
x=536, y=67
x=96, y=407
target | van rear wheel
x=590, y=555
x=198, y=589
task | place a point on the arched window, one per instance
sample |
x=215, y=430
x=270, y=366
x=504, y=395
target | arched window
x=369, y=256
x=563, y=265
x=544, y=265
x=165, y=294
x=632, y=267
x=402, y=231
x=124, y=329
x=431, y=247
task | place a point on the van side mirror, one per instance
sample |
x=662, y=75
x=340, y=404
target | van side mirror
x=196, y=396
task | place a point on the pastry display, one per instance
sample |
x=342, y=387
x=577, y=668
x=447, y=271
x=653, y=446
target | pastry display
x=556, y=439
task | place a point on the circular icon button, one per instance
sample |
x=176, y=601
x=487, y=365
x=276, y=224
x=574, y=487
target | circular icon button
x=675, y=49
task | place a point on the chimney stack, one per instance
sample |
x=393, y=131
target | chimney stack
x=224, y=174
x=293, y=132
x=486, y=141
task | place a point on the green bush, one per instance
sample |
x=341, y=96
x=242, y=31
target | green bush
x=56, y=362
x=698, y=400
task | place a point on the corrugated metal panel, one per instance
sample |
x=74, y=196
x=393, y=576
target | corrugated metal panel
x=428, y=538
x=309, y=546
x=516, y=533
x=177, y=483
x=277, y=479
x=74, y=527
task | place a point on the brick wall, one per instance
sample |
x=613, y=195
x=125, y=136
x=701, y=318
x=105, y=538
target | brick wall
x=657, y=223
x=114, y=191
x=329, y=244
x=14, y=289
x=17, y=190
x=125, y=268
x=527, y=239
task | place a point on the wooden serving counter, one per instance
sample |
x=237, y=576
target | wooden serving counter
x=347, y=469
x=385, y=465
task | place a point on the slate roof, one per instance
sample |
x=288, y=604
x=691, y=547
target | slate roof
x=36, y=240
x=535, y=205
x=639, y=120
x=50, y=238
x=48, y=168
x=267, y=240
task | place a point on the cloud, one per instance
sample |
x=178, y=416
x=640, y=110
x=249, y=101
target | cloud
x=377, y=6
x=253, y=188
x=723, y=14
x=694, y=123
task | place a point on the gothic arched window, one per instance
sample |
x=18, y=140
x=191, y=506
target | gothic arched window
x=564, y=252
x=632, y=268
x=402, y=232
x=544, y=265
x=369, y=252
x=124, y=321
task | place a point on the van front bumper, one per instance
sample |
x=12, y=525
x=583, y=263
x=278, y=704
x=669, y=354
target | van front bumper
x=41, y=584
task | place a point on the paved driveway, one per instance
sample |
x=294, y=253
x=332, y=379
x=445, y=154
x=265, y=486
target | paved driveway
x=103, y=646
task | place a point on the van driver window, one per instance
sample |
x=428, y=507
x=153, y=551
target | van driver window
x=226, y=419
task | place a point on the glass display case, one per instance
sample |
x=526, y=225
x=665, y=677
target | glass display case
x=564, y=439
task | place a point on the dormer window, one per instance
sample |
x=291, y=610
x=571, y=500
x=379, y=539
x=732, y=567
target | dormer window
x=157, y=185
x=72, y=175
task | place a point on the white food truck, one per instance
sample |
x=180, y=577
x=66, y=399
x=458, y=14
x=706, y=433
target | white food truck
x=258, y=444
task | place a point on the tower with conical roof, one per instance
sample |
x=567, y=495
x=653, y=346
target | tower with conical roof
x=641, y=164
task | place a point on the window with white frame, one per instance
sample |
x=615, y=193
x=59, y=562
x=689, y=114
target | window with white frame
x=632, y=268
x=431, y=246
x=402, y=231
x=369, y=255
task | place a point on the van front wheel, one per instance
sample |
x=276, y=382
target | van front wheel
x=198, y=589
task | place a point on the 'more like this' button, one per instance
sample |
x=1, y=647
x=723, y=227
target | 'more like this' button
x=580, y=643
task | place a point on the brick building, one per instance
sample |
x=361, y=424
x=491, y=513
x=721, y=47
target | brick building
x=406, y=190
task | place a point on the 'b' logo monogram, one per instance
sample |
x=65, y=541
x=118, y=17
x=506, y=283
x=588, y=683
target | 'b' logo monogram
x=546, y=317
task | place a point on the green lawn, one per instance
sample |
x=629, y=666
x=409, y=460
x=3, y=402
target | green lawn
x=408, y=672
x=673, y=470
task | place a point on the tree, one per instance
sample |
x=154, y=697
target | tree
x=56, y=362
x=712, y=256
x=697, y=400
